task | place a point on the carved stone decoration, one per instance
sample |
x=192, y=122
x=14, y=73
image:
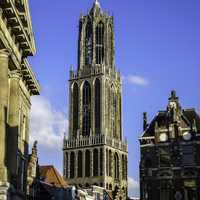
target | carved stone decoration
x=172, y=157
x=32, y=166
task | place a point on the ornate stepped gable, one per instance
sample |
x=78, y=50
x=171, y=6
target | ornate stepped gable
x=95, y=153
x=170, y=147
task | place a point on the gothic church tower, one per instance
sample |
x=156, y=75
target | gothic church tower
x=95, y=152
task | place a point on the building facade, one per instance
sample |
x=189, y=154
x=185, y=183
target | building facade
x=95, y=152
x=170, y=147
x=17, y=85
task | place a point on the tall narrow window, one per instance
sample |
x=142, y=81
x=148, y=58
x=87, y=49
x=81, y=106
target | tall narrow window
x=95, y=162
x=100, y=43
x=123, y=167
x=113, y=112
x=120, y=115
x=87, y=163
x=116, y=159
x=86, y=109
x=126, y=172
x=72, y=164
x=97, y=106
x=110, y=48
x=88, y=44
x=110, y=164
x=101, y=161
x=115, y=116
x=75, y=109
x=66, y=165
x=80, y=164
x=107, y=162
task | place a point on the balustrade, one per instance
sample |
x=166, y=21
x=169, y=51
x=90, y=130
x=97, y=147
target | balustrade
x=95, y=140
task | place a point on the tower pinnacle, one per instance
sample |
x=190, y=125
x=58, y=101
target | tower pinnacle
x=97, y=3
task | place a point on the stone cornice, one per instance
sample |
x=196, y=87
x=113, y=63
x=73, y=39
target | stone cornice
x=30, y=78
x=15, y=74
x=24, y=37
x=9, y=41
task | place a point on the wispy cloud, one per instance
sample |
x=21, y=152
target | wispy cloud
x=136, y=80
x=47, y=124
x=134, y=187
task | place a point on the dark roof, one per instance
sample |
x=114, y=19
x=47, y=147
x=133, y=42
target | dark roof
x=192, y=115
x=188, y=117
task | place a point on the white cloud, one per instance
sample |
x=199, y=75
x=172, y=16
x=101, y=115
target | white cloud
x=134, y=187
x=133, y=184
x=137, y=80
x=47, y=124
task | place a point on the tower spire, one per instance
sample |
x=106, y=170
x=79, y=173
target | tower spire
x=97, y=3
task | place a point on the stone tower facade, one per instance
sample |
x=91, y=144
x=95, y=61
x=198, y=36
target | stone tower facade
x=95, y=152
x=17, y=84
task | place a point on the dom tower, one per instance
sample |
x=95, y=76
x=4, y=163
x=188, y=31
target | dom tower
x=95, y=152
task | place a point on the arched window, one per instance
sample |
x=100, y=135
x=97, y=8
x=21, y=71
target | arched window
x=95, y=162
x=100, y=43
x=116, y=164
x=86, y=109
x=110, y=48
x=66, y=165
x=110, y=163
x=113, y=112
x=107, y=162
x=126, y=169
x=120, y=114
x=101, y=162
x=88, y=44
x=97, y=106
x=75, y=109
x=80, y=164
x=72, y=164
x=123, y=167
x=87, y=163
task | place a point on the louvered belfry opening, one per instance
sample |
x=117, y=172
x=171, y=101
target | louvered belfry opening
x=100, y=43
x=88, y=43
x=110, y=46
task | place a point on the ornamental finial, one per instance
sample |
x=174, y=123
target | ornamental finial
x=97, y=3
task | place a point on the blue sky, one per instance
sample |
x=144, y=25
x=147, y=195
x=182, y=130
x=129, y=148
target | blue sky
x=157, y=50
